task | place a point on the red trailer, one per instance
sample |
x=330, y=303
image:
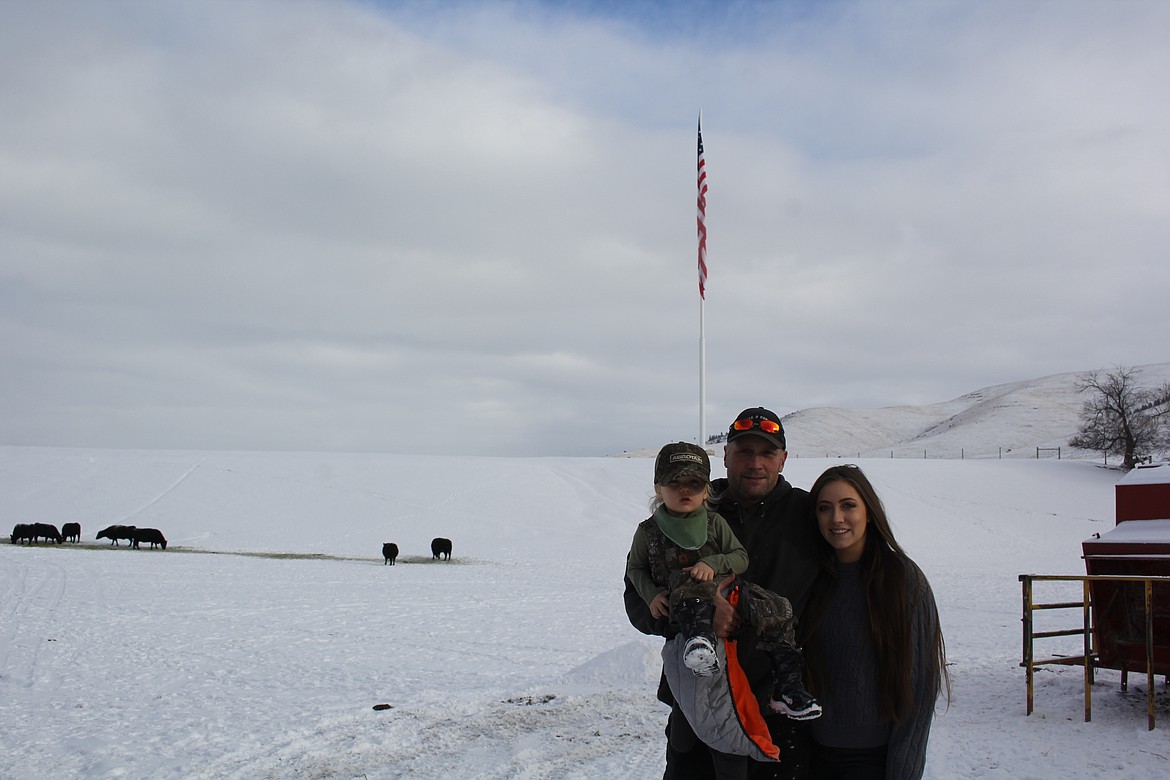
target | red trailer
x=1137, y=546
x=1144, y=494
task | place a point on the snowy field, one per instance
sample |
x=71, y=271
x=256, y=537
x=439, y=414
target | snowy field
x=258, y=643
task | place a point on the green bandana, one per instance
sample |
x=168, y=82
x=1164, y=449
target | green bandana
x=687, y=531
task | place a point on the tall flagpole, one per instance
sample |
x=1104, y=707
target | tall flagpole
x=702, y=224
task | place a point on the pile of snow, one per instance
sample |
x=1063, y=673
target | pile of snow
x=513, y=660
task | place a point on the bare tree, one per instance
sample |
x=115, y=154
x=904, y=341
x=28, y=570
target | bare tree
x=1121, y=418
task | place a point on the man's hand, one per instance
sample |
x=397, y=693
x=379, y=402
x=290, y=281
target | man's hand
x=660, y=606
x=726, y=622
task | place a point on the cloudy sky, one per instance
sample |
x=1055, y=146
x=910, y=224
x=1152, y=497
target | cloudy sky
x=469, y=227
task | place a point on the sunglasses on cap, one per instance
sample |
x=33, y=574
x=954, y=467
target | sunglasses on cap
x=746, y=424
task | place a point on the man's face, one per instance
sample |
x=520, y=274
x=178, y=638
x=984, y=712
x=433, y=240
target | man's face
x=753, y=468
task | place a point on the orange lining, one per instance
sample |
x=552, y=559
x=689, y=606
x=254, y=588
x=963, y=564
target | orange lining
x=747, y=709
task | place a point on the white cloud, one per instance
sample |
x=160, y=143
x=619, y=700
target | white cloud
x=312, y=225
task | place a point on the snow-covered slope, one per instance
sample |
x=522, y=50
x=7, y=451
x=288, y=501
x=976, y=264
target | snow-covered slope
x=1009, y=420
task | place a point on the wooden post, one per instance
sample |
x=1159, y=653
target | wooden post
x=1027, y=620
x=1088, y=654
x=1149, y=655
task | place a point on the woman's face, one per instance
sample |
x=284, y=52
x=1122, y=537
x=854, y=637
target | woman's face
x=842, y=519
x=683, y=496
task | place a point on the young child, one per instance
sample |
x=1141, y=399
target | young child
x=677, y=557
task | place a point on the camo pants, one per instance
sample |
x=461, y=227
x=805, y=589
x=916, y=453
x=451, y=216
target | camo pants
x=768, y=613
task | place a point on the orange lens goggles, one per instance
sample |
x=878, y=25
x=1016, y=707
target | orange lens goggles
x=746, y=424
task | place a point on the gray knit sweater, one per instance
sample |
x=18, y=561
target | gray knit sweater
x=850, y=692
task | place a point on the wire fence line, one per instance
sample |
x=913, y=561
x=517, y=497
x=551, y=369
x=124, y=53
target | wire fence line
x=1002, y=453
x=982, y=452
x=950, y=453
x=904, y=451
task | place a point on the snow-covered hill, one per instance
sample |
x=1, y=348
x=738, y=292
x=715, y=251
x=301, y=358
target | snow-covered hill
x=1009, y=420
x=1001, y=421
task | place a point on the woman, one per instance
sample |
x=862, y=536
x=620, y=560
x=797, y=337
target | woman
x=874, y=650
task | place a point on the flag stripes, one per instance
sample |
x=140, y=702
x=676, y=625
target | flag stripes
x=702, y=217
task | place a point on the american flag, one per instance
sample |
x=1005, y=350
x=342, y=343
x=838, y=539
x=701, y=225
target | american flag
x=702, y=217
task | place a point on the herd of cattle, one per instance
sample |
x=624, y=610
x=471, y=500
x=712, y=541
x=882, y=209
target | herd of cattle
x=71, y=532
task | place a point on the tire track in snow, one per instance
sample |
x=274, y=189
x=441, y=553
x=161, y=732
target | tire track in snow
x=13, y=608
x=161, y=495
x=31, y=598
x=586, y=488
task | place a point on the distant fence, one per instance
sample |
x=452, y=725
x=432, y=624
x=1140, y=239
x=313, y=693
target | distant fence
x=925, y=453
x=1030, y=452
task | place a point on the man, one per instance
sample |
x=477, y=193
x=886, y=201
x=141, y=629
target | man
x=770, y=518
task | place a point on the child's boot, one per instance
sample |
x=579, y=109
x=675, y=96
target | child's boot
x=695, y=616
x=795, y=702
x=789, y=696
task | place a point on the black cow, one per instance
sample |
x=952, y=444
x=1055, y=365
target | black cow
x=116, y=532
x=47, y=530
x=71, y=532
x=440, y=547
x=21, y=532
x=389, y=552
x=152, y=535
